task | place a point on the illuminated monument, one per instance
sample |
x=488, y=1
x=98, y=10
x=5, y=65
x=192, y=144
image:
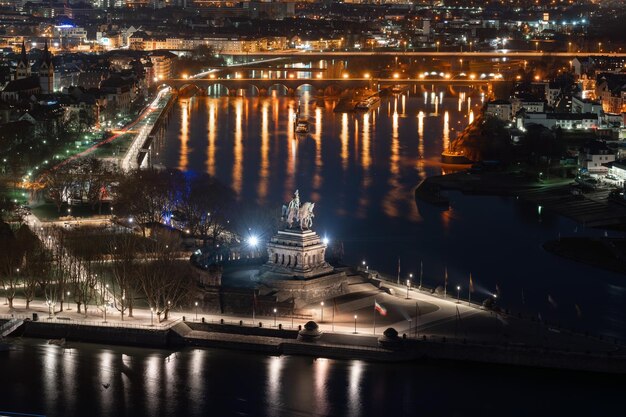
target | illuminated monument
x=296, y=267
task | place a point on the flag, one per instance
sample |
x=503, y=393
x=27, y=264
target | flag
x=378, y=307
x=579, y=312
x=551, y=301
x=471, y=284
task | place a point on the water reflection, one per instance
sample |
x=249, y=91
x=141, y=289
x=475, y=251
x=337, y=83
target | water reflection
x=184, y=133
x=212, y=133
x=344, y=138
x=390, y=202
x=273, y=383
x=354, y=388
x=265, y=149
x=238, y=147
x=446, y=131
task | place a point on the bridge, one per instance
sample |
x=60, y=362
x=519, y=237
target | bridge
x=325, y=86
x=435, y=54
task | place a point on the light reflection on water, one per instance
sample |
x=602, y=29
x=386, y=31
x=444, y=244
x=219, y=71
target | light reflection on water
x=361, y=171
x=202, y=382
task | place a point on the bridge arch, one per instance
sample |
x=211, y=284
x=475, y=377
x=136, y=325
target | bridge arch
x=332, y=89
x=306, y=88
x=217, y=90
x=278, y=90
x=189, y=88
x=248, y=90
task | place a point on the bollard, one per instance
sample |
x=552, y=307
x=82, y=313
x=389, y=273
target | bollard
x=183, y=318
x=221, y=321
x=260, y=324
x=241, y=322
x=202, y=319
x=299, y=327
x=404, y=335
x=280, y=326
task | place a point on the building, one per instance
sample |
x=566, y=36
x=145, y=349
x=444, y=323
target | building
x=530, y=105
x=585, y=105
x=594, y=157
x=568, y=121
x=46, y=72
x=161, y=66
x=23, y=65
x=500, y=109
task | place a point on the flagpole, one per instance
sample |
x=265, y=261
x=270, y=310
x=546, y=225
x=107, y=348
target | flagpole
x=253, y=304
x=374, y=315
x=333, y=324
x=469, y=291
x=421, y=273
x=398, y=270
x=445, y=283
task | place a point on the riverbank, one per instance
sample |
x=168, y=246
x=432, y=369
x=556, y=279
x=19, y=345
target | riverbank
x=603, y=253
x=590, y=209
x=280, y=341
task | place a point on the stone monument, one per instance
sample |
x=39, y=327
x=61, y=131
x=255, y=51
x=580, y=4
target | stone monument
x=296, y=266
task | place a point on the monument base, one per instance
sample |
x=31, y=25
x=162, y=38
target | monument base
x=305, y=291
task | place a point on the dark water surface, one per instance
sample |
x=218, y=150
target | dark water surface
x=361, y=171
x=45, y=379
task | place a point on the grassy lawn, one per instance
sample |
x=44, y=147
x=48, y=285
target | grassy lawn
x=49, y=212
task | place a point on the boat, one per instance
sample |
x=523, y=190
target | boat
x=58, y=342
x=367, y=104
x=399, y=89
x=302, y=126
x=450, y=157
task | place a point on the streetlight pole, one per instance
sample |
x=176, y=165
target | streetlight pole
x=196, y=311
x=322, y=311
x=274, y=317
x=407, y=288
x=355, y=323
x=458, y=293
x=68, y=302
x=151, y=316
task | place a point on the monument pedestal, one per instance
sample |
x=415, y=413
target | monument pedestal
x=297, y=254
x=296, y=269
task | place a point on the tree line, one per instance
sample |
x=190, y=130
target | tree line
x=92, y=267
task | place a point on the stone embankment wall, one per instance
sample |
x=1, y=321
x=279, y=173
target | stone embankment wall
x=95, y=334
x=282, y=341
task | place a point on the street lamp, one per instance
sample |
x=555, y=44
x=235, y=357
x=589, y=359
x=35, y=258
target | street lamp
x=274, y=317
x=68, y=301
x=437, y=46
x=196, y=311
x=408, y=283
x=458, y=293
x=151, y=316
x=322, y=311
x=355, y=324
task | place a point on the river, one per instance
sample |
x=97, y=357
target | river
x=87, y=380
x=361, y=171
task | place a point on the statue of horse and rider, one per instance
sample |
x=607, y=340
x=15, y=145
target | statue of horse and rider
x=296, y=214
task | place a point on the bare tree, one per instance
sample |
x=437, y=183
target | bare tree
x=166, y=281
x=123, y=249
